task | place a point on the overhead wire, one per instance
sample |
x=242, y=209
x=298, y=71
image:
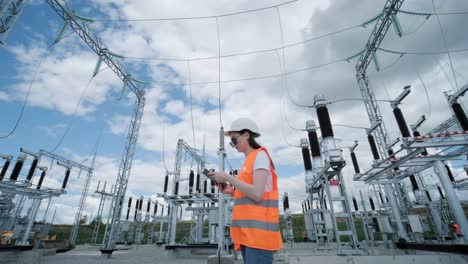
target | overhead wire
x=72, y=121
x=282, y=114
x=427, y=96
x=163, y=152
x=191, y=104
x=196, y=17
x=219, y=73
x=25, y=102
x=283, y=108
x=284, y=80
x=445, y=43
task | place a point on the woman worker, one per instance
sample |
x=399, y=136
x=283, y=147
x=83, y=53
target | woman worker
x=255, y=216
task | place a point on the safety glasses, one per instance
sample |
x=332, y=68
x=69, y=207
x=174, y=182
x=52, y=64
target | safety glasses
x=233, y=142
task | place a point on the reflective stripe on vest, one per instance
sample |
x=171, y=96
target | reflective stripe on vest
x=267, y=226
x=263, y=203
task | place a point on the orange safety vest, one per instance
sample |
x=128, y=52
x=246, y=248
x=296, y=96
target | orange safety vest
x=256, y=224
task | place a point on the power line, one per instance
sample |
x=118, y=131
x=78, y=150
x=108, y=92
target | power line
x=196, y=17
x=191, y=106
x=427, y=95
x=445, y=43
x=219, y=73
x=74, y=112
x=284, y=80
x=422, y=53
x=283, y=109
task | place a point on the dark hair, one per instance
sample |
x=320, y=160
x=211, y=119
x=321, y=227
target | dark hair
x=253, y=143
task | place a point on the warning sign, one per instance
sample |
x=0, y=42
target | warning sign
x=334, y=182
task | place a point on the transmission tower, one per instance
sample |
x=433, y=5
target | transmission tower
x=82, y=29
x=10, y=11
x=382, y=25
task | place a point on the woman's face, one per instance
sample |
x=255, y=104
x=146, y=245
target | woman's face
x=239, y=141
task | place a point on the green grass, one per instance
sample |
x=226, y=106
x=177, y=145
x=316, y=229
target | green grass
x=183, y=228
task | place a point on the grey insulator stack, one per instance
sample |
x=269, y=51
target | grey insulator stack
x=41, y=179
x=32, y=169
x=355, y=163
x=136, y=209
x=191, y=181
x=285, y=202
x=4, y=169
x=449, y=173
x=400, y=119
x=197, y=186
x=373, y=146
x=372, y=205
x=414, y=183
x=356, y=208
x=128, y=208
x=17, y=169
x=65, y=180
x=460, y=115
x=306, y=155
x=166, y=182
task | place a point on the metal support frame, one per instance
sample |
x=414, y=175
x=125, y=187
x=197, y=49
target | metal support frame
x=10, y=11
x=452, y=199
x=104, y=196
x=222, y=239
x=182, y=147
x=98, y=47
x=381, y=27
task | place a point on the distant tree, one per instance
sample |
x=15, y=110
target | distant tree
x=83, y=219
x=95, y=220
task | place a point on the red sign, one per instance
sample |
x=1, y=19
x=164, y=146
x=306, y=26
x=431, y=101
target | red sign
x=334, y=182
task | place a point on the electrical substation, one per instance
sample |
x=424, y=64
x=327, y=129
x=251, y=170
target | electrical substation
x=408, y=204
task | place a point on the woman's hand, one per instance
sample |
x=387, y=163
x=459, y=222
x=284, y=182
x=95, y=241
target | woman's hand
x=219, y=177
x=228, y=189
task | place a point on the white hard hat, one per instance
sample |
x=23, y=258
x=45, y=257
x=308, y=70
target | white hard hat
x=241, y=124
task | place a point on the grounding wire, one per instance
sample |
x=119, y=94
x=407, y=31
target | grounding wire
x=196, y=17
x=283, y=117
x=163, y=152
x=427, y=95
x=393, y=63
x=284, y=80
x=29, y=91
x=445, y=74
x=422, y=53
x=442, y=33
x=362, y=100
x=191, y=105
x=459, y=74
x=25, y=102
x=74, y=112
x=283, y=109
x=219, y=73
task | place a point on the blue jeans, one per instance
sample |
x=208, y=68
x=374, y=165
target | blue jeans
x=256, y=256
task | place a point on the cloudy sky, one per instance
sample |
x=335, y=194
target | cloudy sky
x=71, y=113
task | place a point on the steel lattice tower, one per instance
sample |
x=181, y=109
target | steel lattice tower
x=135, y=86
x=382, y=25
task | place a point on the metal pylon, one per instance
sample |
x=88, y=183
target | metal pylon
x=350, y=229
x=10, y=11
x=84, y=194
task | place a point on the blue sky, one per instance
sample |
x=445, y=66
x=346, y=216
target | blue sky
x=67, y=67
